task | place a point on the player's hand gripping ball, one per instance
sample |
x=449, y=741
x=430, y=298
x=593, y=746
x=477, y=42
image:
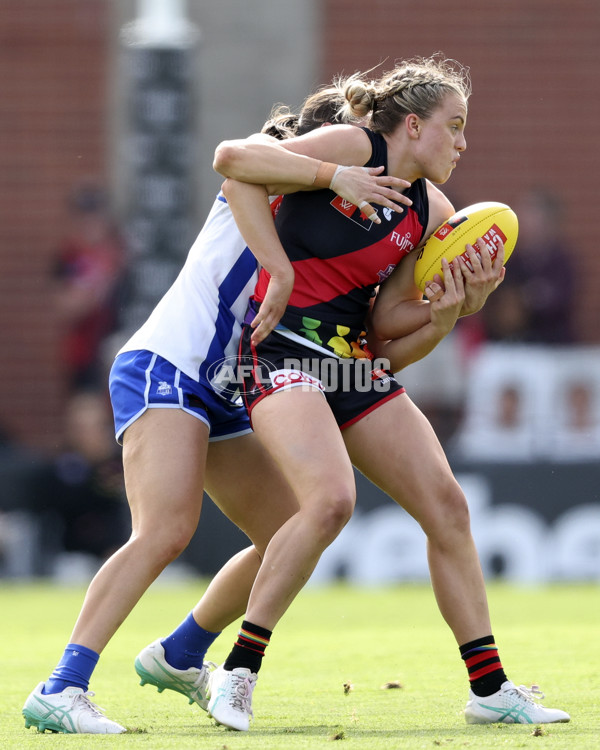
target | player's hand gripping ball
x=490, y=221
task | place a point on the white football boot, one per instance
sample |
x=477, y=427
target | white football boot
x=153, y=669
x=230, y=701
x=512, y=705
x=69, y=712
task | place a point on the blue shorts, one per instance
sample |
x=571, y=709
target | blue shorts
x=141, y=380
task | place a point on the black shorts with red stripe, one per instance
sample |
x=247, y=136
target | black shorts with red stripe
x=352, y=387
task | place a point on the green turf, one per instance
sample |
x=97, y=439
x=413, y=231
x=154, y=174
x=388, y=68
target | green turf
x=330, y=638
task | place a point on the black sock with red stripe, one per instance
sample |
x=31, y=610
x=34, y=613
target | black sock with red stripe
x=484, y=666
x=249, y=649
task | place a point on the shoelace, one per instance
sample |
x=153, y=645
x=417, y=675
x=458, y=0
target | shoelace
x=200, y=684
x=85, y=698
x=202, y=680
x=242, y=694
x=531, y=694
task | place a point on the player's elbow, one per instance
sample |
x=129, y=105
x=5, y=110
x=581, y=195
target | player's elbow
x=381, y=325
x=227, y=158
x=395, y=358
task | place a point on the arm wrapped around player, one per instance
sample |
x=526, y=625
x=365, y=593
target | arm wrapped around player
x=277, y=166
x=442, y=312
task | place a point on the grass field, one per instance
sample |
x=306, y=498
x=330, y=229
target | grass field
x=330, y=638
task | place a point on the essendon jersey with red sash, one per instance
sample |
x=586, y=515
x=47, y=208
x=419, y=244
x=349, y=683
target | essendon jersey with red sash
x=339, y=258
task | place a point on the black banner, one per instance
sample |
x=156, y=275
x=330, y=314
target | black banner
x=159, y=150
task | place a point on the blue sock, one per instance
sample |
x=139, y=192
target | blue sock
x=187, y=645
x=74, y=669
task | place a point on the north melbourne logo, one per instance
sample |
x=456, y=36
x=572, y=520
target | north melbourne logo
x=164, y=389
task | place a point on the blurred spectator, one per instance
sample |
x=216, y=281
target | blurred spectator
x=21, y=472
x=536, y=300
x=83, y=497
x=90, y=278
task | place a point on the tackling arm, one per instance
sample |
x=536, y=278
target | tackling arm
x=252, y=212
x=320, y=159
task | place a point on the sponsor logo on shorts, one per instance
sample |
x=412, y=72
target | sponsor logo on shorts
x=289, y=378
x=229, y=375
x=164, y=389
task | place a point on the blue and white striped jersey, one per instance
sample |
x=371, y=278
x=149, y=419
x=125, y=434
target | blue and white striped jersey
x=197, y=323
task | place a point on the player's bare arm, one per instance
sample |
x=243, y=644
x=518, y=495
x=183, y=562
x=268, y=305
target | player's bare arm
x=252, y=211
x=400, y=308
x=442, y=314
x=315, y=160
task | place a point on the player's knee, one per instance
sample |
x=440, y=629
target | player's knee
x=450, y=518
x=335, y=512
x=166, y=543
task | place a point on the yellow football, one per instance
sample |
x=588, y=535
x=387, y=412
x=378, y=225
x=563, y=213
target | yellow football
x=488, y=220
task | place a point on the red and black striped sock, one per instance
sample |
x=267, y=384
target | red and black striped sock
x=484, y=666
x=249, y=649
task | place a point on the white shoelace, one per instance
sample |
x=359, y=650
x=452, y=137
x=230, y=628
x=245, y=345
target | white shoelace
x=201, y=681
x=88, y=705
x=531, y=695
x=241, y=699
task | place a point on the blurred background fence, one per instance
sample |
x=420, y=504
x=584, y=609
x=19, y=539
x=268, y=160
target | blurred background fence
x=110, y=113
